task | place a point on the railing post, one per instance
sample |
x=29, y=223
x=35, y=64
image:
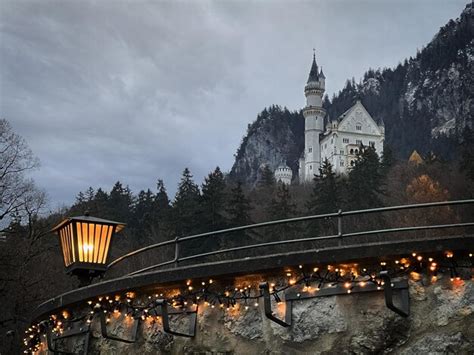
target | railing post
x=176, y=251
x=339, y=226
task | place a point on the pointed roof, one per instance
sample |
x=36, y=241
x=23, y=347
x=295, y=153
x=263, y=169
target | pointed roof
x=313, y=73
x=347, y=114
x=415, y=158
x=321, y=74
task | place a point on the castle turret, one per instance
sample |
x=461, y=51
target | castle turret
x=314, y=117
x=283, y=174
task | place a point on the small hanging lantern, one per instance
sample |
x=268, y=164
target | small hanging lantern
x=85, y=243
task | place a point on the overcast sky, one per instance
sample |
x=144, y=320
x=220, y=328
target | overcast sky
x=137, y=90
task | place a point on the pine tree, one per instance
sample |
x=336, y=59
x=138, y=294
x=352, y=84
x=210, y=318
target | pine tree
x=162, y=201
x=120, y=203
x=186, y=206
x=213, y=198
x=467, y=153
x=282, y=206
x=239, y=207
x=326, y=194
x=325, y=198
x=387, y=160
x=162, y=216
x=365, y=184
x=100, y=204
x=267, y=179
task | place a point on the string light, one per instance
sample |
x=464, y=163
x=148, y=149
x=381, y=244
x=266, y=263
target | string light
x=346, y=275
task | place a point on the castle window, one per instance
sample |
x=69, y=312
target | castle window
x=331, y=140
x=325, y=146
x=359, y=127
x=358, y=141
x=357, y=151
x=352, y=162
x=310, y=149
x=345, y=140
x=310, y=167
x=341, y=163
x=352, y=151
x=342, y=152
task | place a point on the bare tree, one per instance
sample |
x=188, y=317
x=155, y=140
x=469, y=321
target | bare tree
x=16, y=158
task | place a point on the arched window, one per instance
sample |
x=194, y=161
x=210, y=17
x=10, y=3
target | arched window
x=357, y=151
x=352, y=151
x=352, y=162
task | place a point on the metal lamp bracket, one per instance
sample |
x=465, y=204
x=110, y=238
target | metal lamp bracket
x=73, y=331
x=165, y=313
x=389, y=286
x=294, y=295
x=268, y=307
x=106, y=335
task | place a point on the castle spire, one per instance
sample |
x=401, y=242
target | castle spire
x=313, y=74
x=321, y=74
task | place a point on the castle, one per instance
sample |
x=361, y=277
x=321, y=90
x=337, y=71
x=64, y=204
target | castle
x=340, y=141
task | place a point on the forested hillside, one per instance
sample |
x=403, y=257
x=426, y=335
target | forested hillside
x=425, y=102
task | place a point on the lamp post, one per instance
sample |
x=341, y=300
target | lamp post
x=85, y=243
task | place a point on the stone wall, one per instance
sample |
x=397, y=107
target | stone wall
x=441, y=322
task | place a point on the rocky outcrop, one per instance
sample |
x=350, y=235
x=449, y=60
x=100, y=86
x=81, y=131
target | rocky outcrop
x=425, y=103
x=276, y=137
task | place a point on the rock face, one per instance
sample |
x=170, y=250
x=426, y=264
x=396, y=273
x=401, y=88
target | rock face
x=277, y=136
x=425, y=103
x=441, y=319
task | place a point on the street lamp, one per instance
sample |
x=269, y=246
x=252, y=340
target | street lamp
x=85, y=243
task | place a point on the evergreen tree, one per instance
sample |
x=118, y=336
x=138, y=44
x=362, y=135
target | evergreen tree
x=162, y=201
x=326, y=194
x=387, y=160
x=100, y=204
x=467, y=153
x=186, y=206
x=282, y=205
x=213, y=198
x=120, y=203
x=267, y=178
x=239, y=207
x=365, y=184
x=89, y=194
x=161, y=216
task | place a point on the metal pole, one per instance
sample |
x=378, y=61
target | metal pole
x=176, y=251
x=339, y=226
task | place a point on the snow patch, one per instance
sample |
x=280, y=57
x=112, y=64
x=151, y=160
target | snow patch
x=446, y=128
x=410, y=94
x=371, y=86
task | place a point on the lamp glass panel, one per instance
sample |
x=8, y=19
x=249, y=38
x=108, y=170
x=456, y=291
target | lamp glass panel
x=79, y=241
x=71, y=240
x=85, y=241
x=96, y=241
x=68, y=245
x=63, y=246
x=103, y=240
x=90, y=246
x=107, y=243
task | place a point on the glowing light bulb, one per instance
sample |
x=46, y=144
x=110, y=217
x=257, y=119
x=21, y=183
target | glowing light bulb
x=87, y=248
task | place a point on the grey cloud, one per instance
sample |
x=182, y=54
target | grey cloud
x=137, y=90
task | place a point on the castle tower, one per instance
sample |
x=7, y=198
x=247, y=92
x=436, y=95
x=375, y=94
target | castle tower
x=314, y=117
x=283, y=174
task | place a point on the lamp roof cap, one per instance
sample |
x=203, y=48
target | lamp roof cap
x=89, y=219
